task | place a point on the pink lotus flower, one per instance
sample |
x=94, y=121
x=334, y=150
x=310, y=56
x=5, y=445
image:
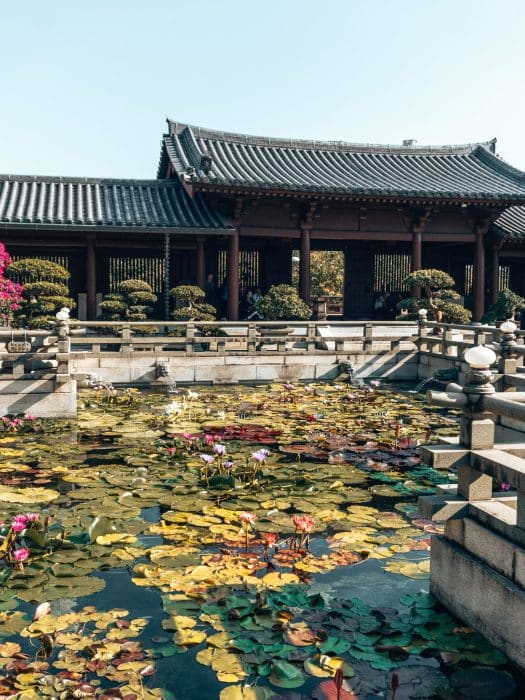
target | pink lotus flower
x=303, y=523
x=19, y=524
x=219, y=449
x=20, y=555
x=247, y=518
x=210, y=439
x=32, y=517
x=269, y=538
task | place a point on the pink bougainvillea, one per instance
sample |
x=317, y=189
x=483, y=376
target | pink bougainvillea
x=10, y=292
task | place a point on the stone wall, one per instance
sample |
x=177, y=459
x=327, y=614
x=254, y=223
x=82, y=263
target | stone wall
x=43, y=398
x=141, y=368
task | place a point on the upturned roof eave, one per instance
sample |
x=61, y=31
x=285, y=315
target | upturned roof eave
x=278, y=189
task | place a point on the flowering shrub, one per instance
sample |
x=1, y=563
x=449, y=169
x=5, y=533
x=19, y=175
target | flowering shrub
x=10, y=292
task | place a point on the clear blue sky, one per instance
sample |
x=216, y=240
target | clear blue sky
x=86, y=86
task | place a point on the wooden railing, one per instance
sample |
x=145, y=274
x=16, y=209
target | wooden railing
x=241, y=337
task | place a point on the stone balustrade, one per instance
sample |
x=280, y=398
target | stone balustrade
x=478, y=564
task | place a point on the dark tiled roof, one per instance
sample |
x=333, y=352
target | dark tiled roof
x=511, y=225
x=58, y=201
x=208, y=157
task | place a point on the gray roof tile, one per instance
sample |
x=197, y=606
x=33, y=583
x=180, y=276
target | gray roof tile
x=59, y=201
x=444, y=172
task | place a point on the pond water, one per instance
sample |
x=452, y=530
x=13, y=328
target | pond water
x=257, y=542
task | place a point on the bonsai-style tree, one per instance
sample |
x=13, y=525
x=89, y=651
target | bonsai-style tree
x=439, y=298
x=45, y=291
x=282, y=303
x=507, y=304
x=10, y=292
x=133, y=301
x=191, y=305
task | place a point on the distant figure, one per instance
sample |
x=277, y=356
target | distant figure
x=247, y=305
x=257, y=296
x=379, y=306
x=223, y=299
x=210, y=289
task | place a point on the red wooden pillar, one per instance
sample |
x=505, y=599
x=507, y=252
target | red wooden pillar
x=91, y=279
x=304, y=266
x=417, y=256
x=201, y=264
x=478, y=285
x=495, y=274
x=233, y=276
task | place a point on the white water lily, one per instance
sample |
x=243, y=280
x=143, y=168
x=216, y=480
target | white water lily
x=175, y=407
x=193, y=394
x=42, y=610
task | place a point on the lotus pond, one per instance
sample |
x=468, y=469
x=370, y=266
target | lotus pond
x=251, y=543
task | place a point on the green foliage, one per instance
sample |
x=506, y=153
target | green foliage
x=133, y=301
x=283, y=303
x=441, y=299
x=36, y=270
x=45, y=291
x=190, y=299
x=132, y=285
x=187, y=294
x=430, y=278
x=326, y=273
x=505, y=307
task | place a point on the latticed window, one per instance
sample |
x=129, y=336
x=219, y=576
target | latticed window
x=151, y=270
x=389, y=272
x=504, y=278
x=249, y=268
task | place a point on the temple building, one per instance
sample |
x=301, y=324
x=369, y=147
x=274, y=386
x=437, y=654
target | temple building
x=237, y=206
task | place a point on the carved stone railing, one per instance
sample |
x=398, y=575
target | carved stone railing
x=213, y=337
x=478, y=565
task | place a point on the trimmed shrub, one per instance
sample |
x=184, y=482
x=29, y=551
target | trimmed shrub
x=441, y=298
x=506, y=306
x=133, y=301
x=190, y=304
x=45, y=291
x=282, y=303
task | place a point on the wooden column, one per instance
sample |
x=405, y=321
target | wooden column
x=304, y=266
x=478, y=283
x=233, y=276
x=417, y=256
x=91, y=279
x=201, y=263
x=494, y=291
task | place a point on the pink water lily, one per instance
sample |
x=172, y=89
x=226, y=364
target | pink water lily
x=247, y=518
x=20, y=555
x=219, y=449
x=260, y=455
x=207, y=459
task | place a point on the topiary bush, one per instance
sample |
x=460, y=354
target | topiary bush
x=440, y=298
x=507, y=304
x=190, y=304
x=134, y=300
x=45, y=291
x=283, y=303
